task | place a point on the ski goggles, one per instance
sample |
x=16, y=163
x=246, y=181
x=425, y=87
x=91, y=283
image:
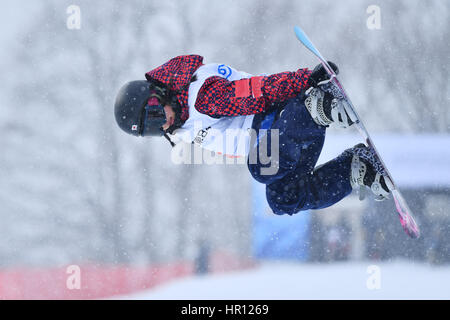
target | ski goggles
x=152, y=119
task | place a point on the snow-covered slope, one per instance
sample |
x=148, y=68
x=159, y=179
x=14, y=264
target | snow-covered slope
x=398, y=280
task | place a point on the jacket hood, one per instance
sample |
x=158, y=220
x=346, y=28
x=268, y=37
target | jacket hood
x=176, y=73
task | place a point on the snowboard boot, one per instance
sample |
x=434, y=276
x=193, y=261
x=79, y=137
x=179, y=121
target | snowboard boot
x=327, y=105
x=367, y=171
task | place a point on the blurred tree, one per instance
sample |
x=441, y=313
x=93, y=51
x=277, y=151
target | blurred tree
x=79, y=73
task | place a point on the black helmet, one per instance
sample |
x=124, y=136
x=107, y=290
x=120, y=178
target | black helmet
x=138, y=109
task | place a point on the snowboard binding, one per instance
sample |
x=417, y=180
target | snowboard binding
x=327, y=106
x=367, y=171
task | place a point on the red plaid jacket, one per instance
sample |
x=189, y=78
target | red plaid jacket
x=220, y=97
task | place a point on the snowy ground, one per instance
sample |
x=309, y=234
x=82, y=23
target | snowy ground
x=397, y=280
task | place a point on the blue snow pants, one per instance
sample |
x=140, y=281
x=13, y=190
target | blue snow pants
x=298, y=184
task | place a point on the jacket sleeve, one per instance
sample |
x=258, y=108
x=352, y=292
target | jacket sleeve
x=220, y=97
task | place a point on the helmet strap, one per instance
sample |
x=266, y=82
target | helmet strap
x=168, y=139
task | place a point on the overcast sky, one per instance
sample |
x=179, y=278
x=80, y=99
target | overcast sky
x=14, y=16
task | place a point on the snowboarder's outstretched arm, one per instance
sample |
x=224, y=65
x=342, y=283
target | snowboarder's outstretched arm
x=220, y=97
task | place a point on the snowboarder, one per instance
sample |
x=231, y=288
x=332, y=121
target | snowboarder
x=298, y=106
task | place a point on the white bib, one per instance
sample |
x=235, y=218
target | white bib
x=225, y=135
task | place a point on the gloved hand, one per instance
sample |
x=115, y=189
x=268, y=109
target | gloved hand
x=319, y=74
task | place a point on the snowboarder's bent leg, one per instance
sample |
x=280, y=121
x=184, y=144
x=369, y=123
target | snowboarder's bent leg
x=297, y=185
x=300, y=142
x=297, y=191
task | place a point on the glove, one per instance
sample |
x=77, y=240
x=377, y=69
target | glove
x=319, y=74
